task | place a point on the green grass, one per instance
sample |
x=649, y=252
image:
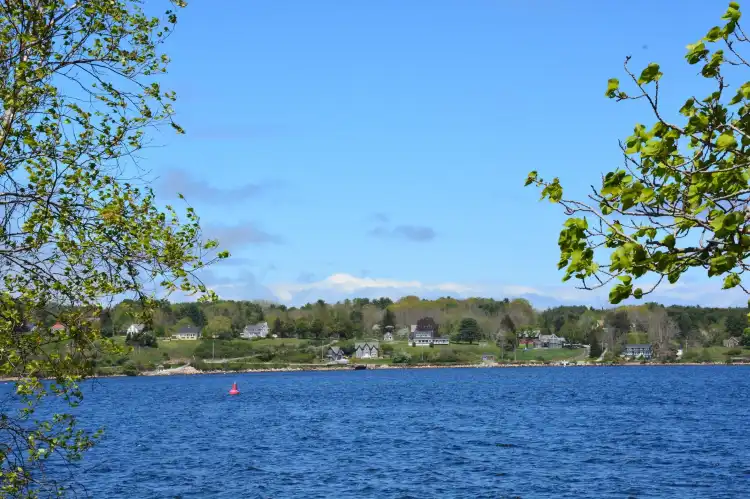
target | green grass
x=473, y=353
x=712, y=354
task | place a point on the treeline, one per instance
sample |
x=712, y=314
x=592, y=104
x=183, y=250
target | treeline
x=497, y=320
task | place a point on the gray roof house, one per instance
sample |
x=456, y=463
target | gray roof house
x=334, y=353
x=549, y=341
x=367, y=350
x=637, y=351
x=188, y=333
x=733, y=342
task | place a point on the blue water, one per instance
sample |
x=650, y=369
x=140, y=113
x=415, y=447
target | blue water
x=640, y=432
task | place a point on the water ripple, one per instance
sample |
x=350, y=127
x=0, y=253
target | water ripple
x=459, y=433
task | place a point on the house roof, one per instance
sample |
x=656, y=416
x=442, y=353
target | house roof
x=366, y=344
x=189, y=330
x=259, y=324
x=634, y=345
x=336, y=350
x=138, y=327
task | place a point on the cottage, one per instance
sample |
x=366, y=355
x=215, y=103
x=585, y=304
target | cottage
x=488, y=358
x=549, y=341
x=733, y=342
x=259, y=330
x=388, y=336
x=187, y=333
x=334, y=354
x=637, y=351
x=367, y=350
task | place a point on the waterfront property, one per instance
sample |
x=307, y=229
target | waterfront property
x=259, y=330
x=388, y=336
x=549, y=341
x=733, y=342
x=488, y=359
x=187, y=333
x=638, y=351
x=367, y=350
x=424, y=334
x=334, y=354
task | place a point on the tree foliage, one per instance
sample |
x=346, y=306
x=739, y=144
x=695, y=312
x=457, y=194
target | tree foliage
x=468, y=330
x=680, y=200
x=79, y=91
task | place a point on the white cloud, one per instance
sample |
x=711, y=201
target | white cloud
x=347, y=284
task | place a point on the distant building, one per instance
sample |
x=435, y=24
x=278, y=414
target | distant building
x=259, y=330
x=367, y=350
x=733, y=342
x=549, y=341
x=424, y=334
x=187, y=333
x=134, y=329
x=488, y=358
x=526, y=342
x=334, y=354
x=638, y=351
x=58, y=327
x=388, y=336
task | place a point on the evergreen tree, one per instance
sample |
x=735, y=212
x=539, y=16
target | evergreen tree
x=468, y=330
x=595, y=348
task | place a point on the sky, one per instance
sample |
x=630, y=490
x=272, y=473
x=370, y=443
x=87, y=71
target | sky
x=343, y=149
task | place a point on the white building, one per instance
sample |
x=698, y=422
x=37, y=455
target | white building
x=187, y=333
x=259, y=330
x=134, y=329
x=388, y=336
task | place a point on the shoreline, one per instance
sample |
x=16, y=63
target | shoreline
x=191, y=371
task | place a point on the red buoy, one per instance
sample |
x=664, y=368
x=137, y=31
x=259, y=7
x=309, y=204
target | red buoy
x=234, y=390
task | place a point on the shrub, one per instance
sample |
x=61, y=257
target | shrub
x=401, y=357
x=732, y=352
x=130, y=369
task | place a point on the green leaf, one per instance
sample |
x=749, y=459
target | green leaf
x=696, y=52
x=531, y=178
x=731, y=281
x=613, y=85
x=714, y=34
x=733, y=12
x=650, y=74
x=726, y=141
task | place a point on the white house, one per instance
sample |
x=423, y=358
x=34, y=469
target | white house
x=388, y=336
x=187, y=333
x=259, y=330
x=134, y=329
x=426, y=337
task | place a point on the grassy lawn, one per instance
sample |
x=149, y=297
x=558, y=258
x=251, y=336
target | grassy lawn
x=473, y=353
x=714, y=354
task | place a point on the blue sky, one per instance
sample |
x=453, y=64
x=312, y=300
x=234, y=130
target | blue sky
x=346, y=149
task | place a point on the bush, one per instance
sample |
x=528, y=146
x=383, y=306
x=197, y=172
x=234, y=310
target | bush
x=733, y=352
x=130, y=369
x=401, y=357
